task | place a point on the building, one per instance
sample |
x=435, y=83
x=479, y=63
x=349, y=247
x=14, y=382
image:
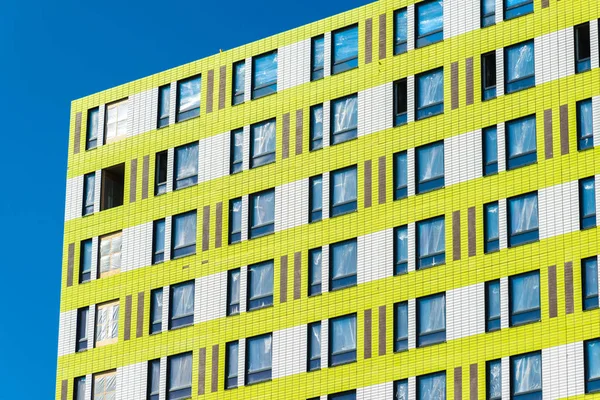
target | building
x=395, y=202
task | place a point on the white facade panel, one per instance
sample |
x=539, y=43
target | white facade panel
x=563, y=371
x=142, y=112
x=382, y=391
x=213, y=157
x=558, y=208
x=460, y=17
x=210, y=297
x=465, y=311
x=293, y=64
x=291, y=205
x=131, y=381
x=375, y=109
x=375, y=256
x=289, y=351
x=67, y=332
x=554, y=56
x=74, y=198
x=459, y=168
x=136, y=249
x=596, y=119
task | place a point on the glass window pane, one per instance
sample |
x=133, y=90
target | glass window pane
x=401, y=244
x=488, y=7
x=315, y=341
x=184, y=231
x=318, y=53
x=343, y=334
x=164, y=102
x=180, y=372
x=156, y=308
x=493, y=299
x=591, y=276
x=588, y=197
x=585, y=121
x=430, y=93
x=432, y=241
x=92, y=127
x=316, y=126
x=527, y=373
x=519, y=61
x=401, y=27
x=432, y=314
x=401, y=390
x=239, y=78
x=344, y=186
x=263, y=208
x=494, y=379
x=431, y=162
x=345, y=114
x=182, y=300
x=492, y=231
x=525, y=292
x=235, y=222
x=86, y=256
x=265, y=69
x=593, y=359
x=232, y=359
x=237, y=150
x=432, y=387
x=260, y=287
x=491, y=144
x=259, y=354
x=189, y=95
x=521, y=136
x=263, y=143
x=186, y=165
x=315, y=259
x=430, y=17
x=523, y=214
x=401, y=170
x=79, y=388
x=343, y=259
x=345, y=44
x=159, y=237
x=401, y=328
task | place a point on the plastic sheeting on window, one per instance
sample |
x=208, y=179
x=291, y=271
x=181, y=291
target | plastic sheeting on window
x=492, y=230
x=525, y=292
x=315, y=341
x=107, y=322
x=519, y=63
x=186, y=164
x=345, y=114
x=182, y=299
x=263, y=138
x=493, y=308
x=588, y=194
x=524, y=214
x=180, y=372
x=432, y=314
x=234, y=288
x=265, y=70
x=110, y=254
x=316, y=193
x=491, y=144
x=593, y=359
x=495, y=379
x=105, y=387
x=236, y=216
x=432, y=387
x=92, y=127
x=521, y=137
x=237, y=156
x=315, y=266
x=159, y=236
x=259, y=354
x=189, y=95
x=591, y=277
x=401, y=244
x=344, y=186
x=79, y=388
x=488, y=7
x=154, y=375
x=431, y=162
x=401, y=390
x=343, y=334
x=527, y=373
x=431, y=88
x=401, y=170
x=239, y=78
x=90, y=190
x=184, y=230
x=232, y=359
x=432, y=238
x=86, y=256
x=116, y=120
x=401, y=330
x=514, y=3
x=343, y=257
x=584, y=118
x=430, y=17
x=165, y=102
x=318, y=54
x=345, y=44
x=157, y=303
x=316, y=125
x=401, y=29
x=261, y=282
x=263, y=206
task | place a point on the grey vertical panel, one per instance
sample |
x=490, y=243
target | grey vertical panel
x=368, y=328
x=70, y=263
x=458, y=383
x=210, y=83
x=201, y=371
x=368, y=40
x=205, y=228
x=454, y=85
x=219, y=225
x=297, y=274
x=382, y=330
x=140, y=316
x=299, y=128
x=548, y=134
x=564, y=129
x=285, y=137
x=133, y=181
x=545, y=3
x=215, y=369
x=382, y=186
x=368, y=188
x=283, y=276
x=127, y=327
x=145, y=177
x=472, y=232
x=552, y=299
x=469, y=96
x=63, y=389
x=222, y=86
x=382, y=35
x=456, y=235
x=473, y=382
x=569, y=305
x=77, y=135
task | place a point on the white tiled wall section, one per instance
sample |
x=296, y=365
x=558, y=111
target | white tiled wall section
x=131, y=382
x=558, y=209
x=162, y=385
x=327, y=54
x=94, y=272
x=325, y=268
x=596, y=119
x=412, y=253
x=381, y=391
x=506, y=377
x=597, y=187
x=289, y=351
x=291, y=204
x=410, y=160
x=243, y=288
x=213, y=157
x=459, y=168
x=293, y=64
x=166, y=299
x=324, y=343
x=326, y=123
x=410, y=100
x=595, y=59
x=502, y=224
x=170, y=168
x=248, y=80
x=375, y=109
x=504, y=303
x=499, y=71
x=210, y=297
x=136, y=247
x=375, y=256
x=173, y=103
x=410, y=21
x=412, y=322
x=245, y=148
x=168, y=231
x=460, y=16
x=501, y=143
x=563, y=371
x=465, y=311
x=97, y=191
x=242, y=362
x=142, y=112
x=67, y=332
x=101, y=120
x=554, y=56
x=74, y=198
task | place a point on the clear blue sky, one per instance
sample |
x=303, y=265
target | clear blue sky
x=52, y=52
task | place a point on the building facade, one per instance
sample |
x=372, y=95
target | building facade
x=396, y=202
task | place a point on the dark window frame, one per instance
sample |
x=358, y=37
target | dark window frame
x=163, y=122
x=85, y=276
x=155, y=326
x=400, y=47
x=488, y=88
x=400, y=342
x=591, y=385
x=492, y=324
x=188, y=249
x=400, y=265
x=181, y=393
x=81, y=343
x=424, y=40
x=347, y=356
x=192, y=113
x=433, y=374
x=152, y=395
x=314, y=288
x=160, y=175
x=316, y=73
x=526, y=237
x=487, y=378
x=347, y=207
x=433, y=183
x=527, y=395
x=437, y=108
x=523, y=159
x=582, y=141
x=314, y=214
x=231, y=382
x=234, y=237
x=586, y=221
x=489, y=167
x=235, y=166
x=157, y=256
x=590, y=302
x=438, y=337
x=236, y=95
x=490, y=245
x=348, y=280
x=401, y=102
x=185, y=320
x=420, y=258
x=347, y=64
x=264, y=229
x=263, y=375
x=521, y=83
x=232, y=307
x=269, y=88
x=536, y=313
x=91, y=144
x=312, y=363
x=255, y=304
x=316, y=143
x=348, y=134
x=582, y=63
x=488, y=19
x=524, y=8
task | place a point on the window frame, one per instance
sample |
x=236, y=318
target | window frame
x=181, y=116
x=400, y=342
x=164, y=90
x=442, y=254
x=525, y=237
x=492, y=324
x=400, y=47
x=347, y=134
x=264, y=374
x=583, y=140
x=316, y=142
x=426, y=376
x=263, y=301
x=235, y=236
x=150, y=394
x=522, y=159
x=488, y=90
x=81, y=343
x=582, y=64
x=91, y=138
x=490, y=244
x=256, y=161
x=160, y=174
x=348, y=206
x=104, y=375
x=347, y=280
x=231, y=382
x=400, y=191
x=428, y=38
x=348, y=63
x=231, y=304
x=586, y=221
x=315, y=214
x=400, y=265
x=314, y=288
x=535, y=312
x=109, y=340
x=345, y=356
x=490, y=167
x=236, y=166
x=485, y=18
x=401, y=95
x=437, y=335
x=235, y=96
x=187, y=249
x=488, y=368
x=181, y=182
x=76, y=394
x=85, y=273
x=184, y=392
x=266, y=228
x=185, y=320
x=88, y=208
x=316, y=72
x=422, y=112
x=111, y=106
x=157, y=255
x=313, y=363
x=268, y=88
x=516, y=11
x=156, y=326
x=590, y=300
x=591, y=385
x=433, y=183
x=112, y=270
x=521, y=83
x=525, y=395
x=397, y=384
x=342, y=395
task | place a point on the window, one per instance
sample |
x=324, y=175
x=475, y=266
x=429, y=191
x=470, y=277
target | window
x=349, y=395
x=492, y=306
x=342, y=340
x=89, y=193
x=188, y=98
x=85, y=267
x=400, y=326
x=237, y=150
x=160, y=178
x=314, y=346
x=494, y=379
x=589, y=274
x=231, y=364
x=491, y=228
x=156, y=310
x=521, y=142
x=92, y=129
x=179, y=377
x=524, y=298
x=430, y=93
x=317, y=61
x=79, y=388
x=262, y=143
x=258, y=359
x=587, y=203
x=110, y=254
x=116, y=121
x=488, y=75
x=183, y=242
x=164, y=105
x=401, y=390
x=430, y=167
x=260, y=285
x=344, y=191
x=82, y=331
x=432, y=386
x=181, y=311
x=235, y=220
x=431, y=242
x=582, y=48
x=345, y=49
x=523, y=220
x=113, y=184
x=158, y=241
x=107, y=323
x=343, y=264
x=401, y=250
x=316, y=198
x=585, y=131
x=316, y=127
x=314, y=273
x=430, y=22
x=400, y=102
x=186, y=165
x=154, y=379
x=488, y=13
x=400, y=31
x=262, y=213
x=400, y=175
x=233, y=292
x=239, y=82
x=490, y=150
x=105, y=386
x=264, y=78
x=516, y=8
x=431, y=320
x=344, y=120
x=592, y=366
x=526, y=374
x=519, y=67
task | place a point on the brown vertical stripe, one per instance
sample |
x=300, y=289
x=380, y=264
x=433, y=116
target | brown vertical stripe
x=222, y=86
x=368, y=40
x=219, y=225
x=215, y=369
x=473, y=382
x=205, y=227
x=297, y=274
x=283, y=275
x=548, y=134
x=382, y=35
x=454, y=85
x=545, y=3
x=564, y=129
x=472, y=232
x=127, y=328
x=145, y=173
x=140, y=316
x=368, y=183
x=133, y=181
x=70, y=263
x=458, y=383
x=382, y=185
x=569, y=306
x=299, y=128
x=552, y=299
x=285, y=137
x=201, y=371
x=456, y=235
x=368, y=333
x=382, y=330
x=77, y=135
x=63, y=389
x=210, y=83
x=469, y=97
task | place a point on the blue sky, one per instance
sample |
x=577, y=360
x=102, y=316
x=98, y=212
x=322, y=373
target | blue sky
x=51, y=53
